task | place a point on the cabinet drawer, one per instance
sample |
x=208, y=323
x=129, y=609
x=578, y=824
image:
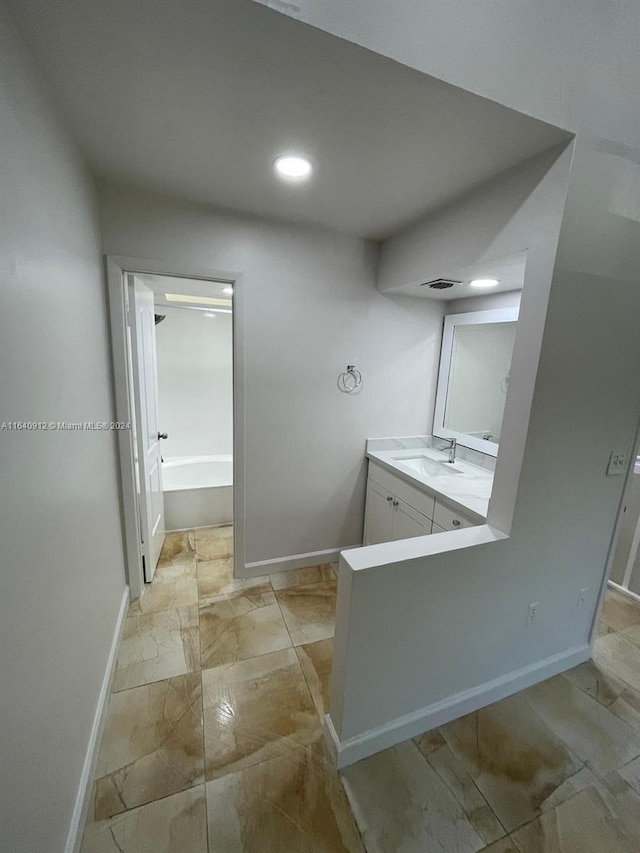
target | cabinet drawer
x=449, y=519
x=422, y=501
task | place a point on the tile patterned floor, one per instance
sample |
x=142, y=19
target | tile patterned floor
x=213, y=737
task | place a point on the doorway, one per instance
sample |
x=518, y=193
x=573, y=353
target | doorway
x=175, y=343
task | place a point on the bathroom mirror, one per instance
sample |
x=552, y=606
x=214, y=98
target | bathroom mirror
x=475, y=365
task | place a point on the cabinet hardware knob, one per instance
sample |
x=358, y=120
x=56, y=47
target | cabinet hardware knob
x=395, y=503
x=456, y=522
x=163, y=435
x=389, y=498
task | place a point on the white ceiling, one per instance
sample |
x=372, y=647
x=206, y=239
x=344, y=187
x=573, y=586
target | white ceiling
x=197, y=98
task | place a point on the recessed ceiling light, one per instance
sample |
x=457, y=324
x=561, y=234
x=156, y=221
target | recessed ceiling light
x=228, y=290
x=293, y=166
x=484, y=282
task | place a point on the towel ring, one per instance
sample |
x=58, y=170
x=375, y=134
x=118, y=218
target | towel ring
x=350, y=380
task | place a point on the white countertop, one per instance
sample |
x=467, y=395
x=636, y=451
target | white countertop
x=468, y=489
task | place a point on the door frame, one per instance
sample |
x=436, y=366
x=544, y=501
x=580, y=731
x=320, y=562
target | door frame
x=117, y=268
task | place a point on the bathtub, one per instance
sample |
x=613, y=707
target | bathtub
x=198, y=491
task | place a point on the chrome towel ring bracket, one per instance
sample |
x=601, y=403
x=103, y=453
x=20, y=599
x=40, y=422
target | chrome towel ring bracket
x=350, y=380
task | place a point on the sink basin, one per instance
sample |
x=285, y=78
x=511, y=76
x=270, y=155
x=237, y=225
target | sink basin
x=427, y=467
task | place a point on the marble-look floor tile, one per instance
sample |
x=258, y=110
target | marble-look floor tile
x=216, y=580
x=244, y=626
x=172, y=587
x=152, y=745
x=401, y=805
x=177, y=549
x=627, y=707
x=455, y=776
x=309, y=611
x=632, y=633
x=214, y=543
x=612, y=692
x=572, y=786
x=429, y=742
x=290, y=804
x=513, y=757
x=302, y=577
x=315, y=660
x=254, y=710
x=591, y=822
x=631, y=774
x=617, y=655
x=504, y=845
x=156, y=646
x=596, y=682
x=618, y=611
x=175, y=824
x=590, y=730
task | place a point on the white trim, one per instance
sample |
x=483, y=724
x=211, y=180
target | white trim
x=118, y=307
x=624, y=590
x=363, y=745
x=295, y=561
x=83, y=796
x=117, y=267
x=495, y=315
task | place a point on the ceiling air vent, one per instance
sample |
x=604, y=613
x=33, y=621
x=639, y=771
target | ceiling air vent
x=440, y=283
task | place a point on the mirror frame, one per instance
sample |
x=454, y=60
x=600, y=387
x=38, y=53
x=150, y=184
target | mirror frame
x=495, y=315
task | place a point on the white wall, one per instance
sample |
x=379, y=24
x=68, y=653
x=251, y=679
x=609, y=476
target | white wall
x=195, y=382
x=486, y=302
x=310, y=307
x=449, y=633
x=502, y=217
x=61, y=577
x=460, y=616
x=520, y=209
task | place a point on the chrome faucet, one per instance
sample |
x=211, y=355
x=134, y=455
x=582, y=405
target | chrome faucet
x=453, y=443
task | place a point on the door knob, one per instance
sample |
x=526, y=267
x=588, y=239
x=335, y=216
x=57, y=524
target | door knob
x=163, y=435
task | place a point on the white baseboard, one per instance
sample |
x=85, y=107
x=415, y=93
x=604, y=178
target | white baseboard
x=623, y=590
x=346, y=752
x=296, y=561
x=83, y=797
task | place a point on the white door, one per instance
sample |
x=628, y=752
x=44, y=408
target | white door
x=145, y=387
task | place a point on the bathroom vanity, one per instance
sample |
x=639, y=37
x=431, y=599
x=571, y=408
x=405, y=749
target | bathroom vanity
x=414, y=486
x=415, y=491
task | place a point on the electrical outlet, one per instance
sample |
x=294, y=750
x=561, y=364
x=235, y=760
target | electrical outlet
x=582, y=597
x=532, y=612
x=617, y=463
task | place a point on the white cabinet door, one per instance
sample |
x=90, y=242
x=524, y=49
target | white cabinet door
x=378, y=519
x=143, y=340
x=450, y=519
x=408, y=522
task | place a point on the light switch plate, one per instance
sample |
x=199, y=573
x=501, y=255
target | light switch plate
x=617, y=463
